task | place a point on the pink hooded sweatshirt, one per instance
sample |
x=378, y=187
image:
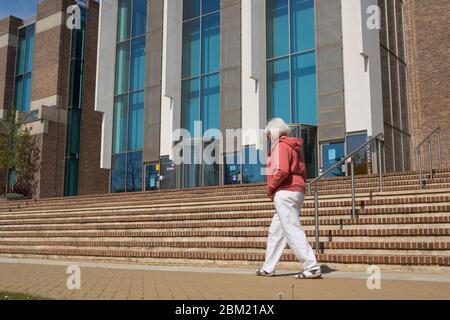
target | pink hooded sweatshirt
x=286, y=167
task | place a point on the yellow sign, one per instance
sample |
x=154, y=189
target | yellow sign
x=158, y=167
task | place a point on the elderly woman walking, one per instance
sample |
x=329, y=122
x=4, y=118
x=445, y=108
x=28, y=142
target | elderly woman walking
x=286, y=186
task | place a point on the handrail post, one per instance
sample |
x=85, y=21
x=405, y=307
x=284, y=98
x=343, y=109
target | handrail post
x=352, y=166
x=316, y=214
x=419, y=158
x=430, y=158
x=379, y=166
x=439, y=148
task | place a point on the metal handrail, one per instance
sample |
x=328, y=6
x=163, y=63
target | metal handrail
x=428, y=138
x=380, y=139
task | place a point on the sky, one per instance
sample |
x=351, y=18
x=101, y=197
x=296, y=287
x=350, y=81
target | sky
x=19, y=8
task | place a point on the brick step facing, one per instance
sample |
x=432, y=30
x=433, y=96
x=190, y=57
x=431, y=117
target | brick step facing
x=222, y=211
x=361, y=223
x=228, y=219
x=422, y=260
x=256, y=196
x=394, y=232
x=416, y=197
x=374, y=245
x=390, y=251
x=201, y=192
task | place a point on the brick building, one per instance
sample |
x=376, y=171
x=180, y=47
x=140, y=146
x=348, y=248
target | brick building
x=50, y=81
x=152, y=66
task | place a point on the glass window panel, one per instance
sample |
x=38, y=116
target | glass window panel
x=407, y=152
x=209, y=6
x=118, y=170
x=78, y=43
x=302, y=25
x=191, y=48
x=190, y=104
x=232, y=168
x=404, y=97
x=18, y=93
x=122, y=68
x=385, y=81
x=400, y=35
x=332, y=153
x=252, y=166
x=309, y=136
x=151, y=177
x=383, y=31
x=278, y=87
x=277, y=28
x=139, y=17
x=26, y=93
x=123, y=20
x=391, y=25
x=76, y=83
x=360, y=159
x=396, y=112
x=120, y=124
x=398, y=151
x=211, y=175
x=304, y=88
x=136, y=122
x=30, y=48
x=71, y=178
x=211, y=43
x=134, y=171
x=73, y=133
x=389, y=148
x=137, y=64
x=191, y=171
x=191, y=9
x=211, y=102
x=21, y=51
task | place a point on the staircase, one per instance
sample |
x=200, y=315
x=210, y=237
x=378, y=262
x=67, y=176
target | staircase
x=227, y=226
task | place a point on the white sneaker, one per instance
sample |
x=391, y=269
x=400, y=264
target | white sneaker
x=309, y=274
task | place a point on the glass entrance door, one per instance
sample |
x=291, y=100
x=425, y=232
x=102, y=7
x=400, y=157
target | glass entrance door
x=309, y=136
x=332, y=153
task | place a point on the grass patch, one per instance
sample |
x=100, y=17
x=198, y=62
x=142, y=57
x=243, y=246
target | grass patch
x=19, y=296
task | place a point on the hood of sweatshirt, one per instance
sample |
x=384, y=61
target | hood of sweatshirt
x=294, y=143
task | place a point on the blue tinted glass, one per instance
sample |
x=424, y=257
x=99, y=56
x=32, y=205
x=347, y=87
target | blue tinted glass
x=122, y=68
x=278, y=88
x=211, y=175
x=118, y=172
x=26, y=93
x=71, y=178
x=137, y=64
x=232, y=168
x=136, y=122
x=302, y=25
x=252, y=166
x=191, y=48
x=73, y=133
x=304, y=97
x=277, y=28
x=191, y=9
x=360, y=159
x=190, y=104
x=30, y=47
x=211, y=43
x=18, y=93
x=21, y=51
x=123, y=20
x=134, y=171
x=209, y=6
x=211, y=102
x=332, y=153
x=120, y=124
x=139, y=17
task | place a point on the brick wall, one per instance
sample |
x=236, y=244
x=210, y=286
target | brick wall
x=10, y=26
x=428, y=51
x=92, y=179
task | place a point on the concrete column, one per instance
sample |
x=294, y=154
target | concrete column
x=153, y=82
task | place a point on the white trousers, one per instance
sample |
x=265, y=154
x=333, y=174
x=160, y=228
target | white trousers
x=286, y=229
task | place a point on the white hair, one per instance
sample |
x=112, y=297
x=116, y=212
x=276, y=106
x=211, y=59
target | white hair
x=277, y=128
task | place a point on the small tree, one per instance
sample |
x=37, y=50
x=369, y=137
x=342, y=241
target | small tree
x=19, y=152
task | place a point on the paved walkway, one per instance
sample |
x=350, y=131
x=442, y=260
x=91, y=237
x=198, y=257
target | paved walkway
x=123, y=281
